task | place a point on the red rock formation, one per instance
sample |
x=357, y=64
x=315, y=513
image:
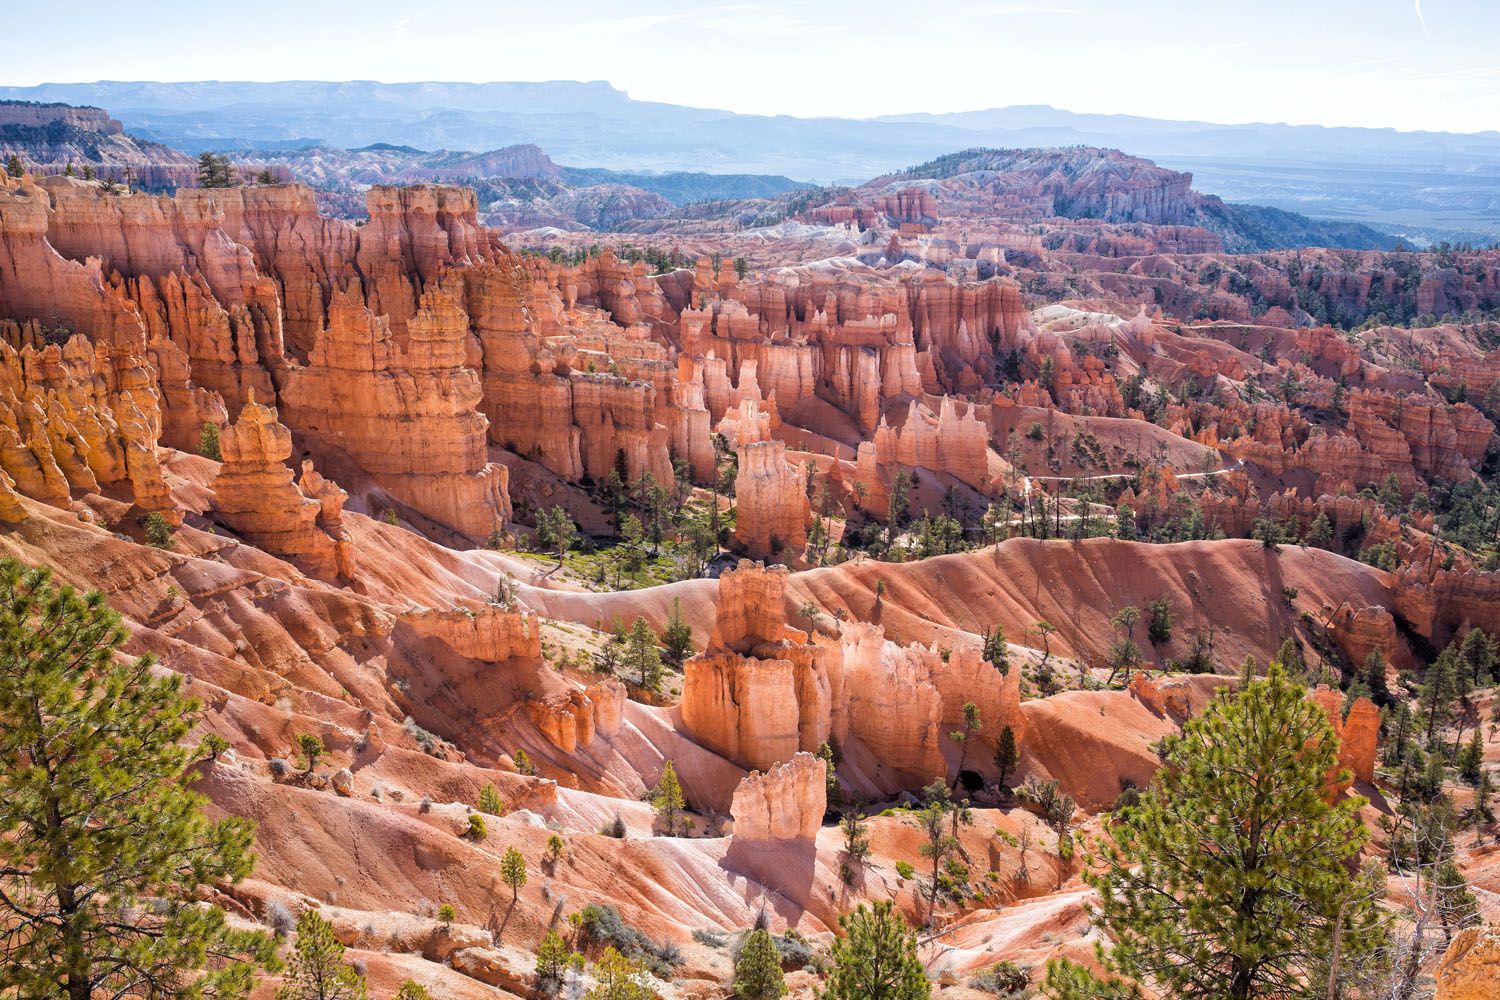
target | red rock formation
x=70, y=420
x=1358, y=734
x=1439, y=604
x=12, y=511
x=1360, y=739
x=890, y=707
x=409, y=417
x=771, y=499
x=572, y=720
x=785, y=803
x=1470, y=969
x=490, y=634
x=737, y=695
x=1358, y=631
x=254, y=495
x=946, y=443
x=750, y=609
x=1169, y=699
x=330, y=498
x=884, y=699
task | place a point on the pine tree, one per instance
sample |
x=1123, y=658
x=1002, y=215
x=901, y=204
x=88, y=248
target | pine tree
x=997, y=651
x=933, y=819
x=1159, y=621
x=965, y=736
x=208, y=441
x=412, y=990
x=1007, y=755
x=632, y=546
x=513, y=871
x=555, y=530
x=158, y=530
x=677, y=636
x=1471, y=759
x=319, y=971
x=619, y=979
x=1319, y=533
x=1398, y=746
x=1478, y=653
x=1433, y=775
x=1067, y=980
x=610, y=656
x=1045, y=629
x=1290, y=658
x=642, y=657
x=835, y=794
x=522, y=760
x=1213, y=886
x=1248, y=672
x=1457, y=907
x=667, y=798
x=757, y=971
x=490, y=801
x=657, y=511
x=103, y=848
x=310, y=747
x=214, y=171
x=1437, y=694
x=1483, y=814
x=876, y=958
x=1124, y=654
x=552, y=960
x=1267, y=532
x=1375, y=680
x=13, y=166
x=856, y=842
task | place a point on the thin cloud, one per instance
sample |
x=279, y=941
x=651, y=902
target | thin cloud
x=630, y=25
x=1422, y=19
x=725, y=17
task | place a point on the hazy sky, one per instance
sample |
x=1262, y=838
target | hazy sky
x=1402, y=63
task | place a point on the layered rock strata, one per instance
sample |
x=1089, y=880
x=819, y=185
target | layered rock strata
x=255, y=496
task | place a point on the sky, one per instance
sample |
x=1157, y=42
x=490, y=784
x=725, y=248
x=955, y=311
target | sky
x=1406, y=64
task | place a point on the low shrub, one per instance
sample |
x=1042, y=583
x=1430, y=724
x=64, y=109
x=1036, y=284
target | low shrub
x=601, y=926
x=1005, y=979
x=710, y=939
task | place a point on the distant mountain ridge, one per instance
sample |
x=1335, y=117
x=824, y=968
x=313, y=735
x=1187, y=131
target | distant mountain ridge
x=1428, y=185
x=1080, y=182
x=520, y=187
x=517, y=186
x=52, y=137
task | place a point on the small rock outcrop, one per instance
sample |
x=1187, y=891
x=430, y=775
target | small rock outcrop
x=1358, y=733
x=751, y=607
x=1470, y=970
x=572, y=720
x=785, y=803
